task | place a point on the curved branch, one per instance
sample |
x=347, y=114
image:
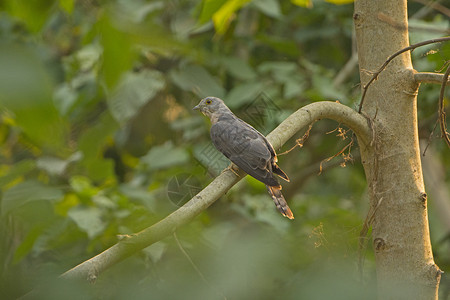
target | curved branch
x=441, y=110
x=429, y=77
x=129, y=245
x=390, y=58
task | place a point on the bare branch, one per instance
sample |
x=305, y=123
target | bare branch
x=131, y=244
x=441, y=111
x=436, y=6
x=429, y=77
x=390, y=58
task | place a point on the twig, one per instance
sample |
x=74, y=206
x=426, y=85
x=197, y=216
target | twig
x=195, y=266
x=436, y=6
x=430, y=137
x=390, y=58
x=299, y=142
x=441, y=111
x=349, y=145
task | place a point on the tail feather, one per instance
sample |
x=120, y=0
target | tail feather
x=277, y=170
x=280, y=202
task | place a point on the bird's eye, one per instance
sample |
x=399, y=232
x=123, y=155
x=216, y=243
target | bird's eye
x=208, y=101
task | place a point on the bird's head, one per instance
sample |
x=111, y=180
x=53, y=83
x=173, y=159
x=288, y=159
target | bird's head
x=211, y=107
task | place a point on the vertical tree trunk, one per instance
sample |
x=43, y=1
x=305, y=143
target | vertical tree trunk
x=401, y=240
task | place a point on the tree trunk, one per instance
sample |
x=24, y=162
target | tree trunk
x=401, y=240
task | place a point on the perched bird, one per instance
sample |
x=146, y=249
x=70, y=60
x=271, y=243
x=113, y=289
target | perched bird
x=246, y=147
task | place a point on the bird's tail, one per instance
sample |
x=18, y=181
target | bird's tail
x=280, y=203
x=277, y=170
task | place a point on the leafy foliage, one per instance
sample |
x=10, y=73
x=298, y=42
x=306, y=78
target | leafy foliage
x=97, y=130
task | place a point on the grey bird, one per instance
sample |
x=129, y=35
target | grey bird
x=246, y=147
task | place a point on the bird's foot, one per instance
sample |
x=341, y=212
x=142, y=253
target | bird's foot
x=233, y=168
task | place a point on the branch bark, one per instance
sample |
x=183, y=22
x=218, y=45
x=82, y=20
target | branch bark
x=129, y=245
x=429, y=77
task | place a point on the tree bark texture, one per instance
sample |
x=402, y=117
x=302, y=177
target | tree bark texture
x=401, y=240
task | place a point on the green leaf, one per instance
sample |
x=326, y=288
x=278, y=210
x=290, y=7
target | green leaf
x=165, y=156
x=26, y=192
x=224, y=15
x=197, y=80
x=244, y=93
x=26, y=89
x=209, y=8
x=33, y=14
x=340, y=2
x=303, y=3
x=55, y=165
x=268, y=7
x=28, y=242
x=155, y=251
x=119, y=54
x=133, y=92
x=88, y=219
x=238, y=68
x=11, y=173
x=83, y=186
x=67, y=5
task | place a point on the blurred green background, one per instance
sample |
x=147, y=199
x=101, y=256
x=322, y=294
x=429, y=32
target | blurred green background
x=98, y=139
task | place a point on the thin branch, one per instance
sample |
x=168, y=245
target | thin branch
x=429, y=77
x=436, y=6
x=347, y=70
x=131, y=244
x=441, y=111
x=195, y=266
x=390, y=58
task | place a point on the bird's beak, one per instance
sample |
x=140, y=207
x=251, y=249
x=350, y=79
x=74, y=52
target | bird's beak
x=197, y=107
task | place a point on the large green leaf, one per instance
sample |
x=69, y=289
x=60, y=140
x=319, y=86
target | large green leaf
x=133, y=92
x=224, y=15
x=164, y=156
x=26, y=90
x=88, y=219
x=26, y=192
x=10, y=173
x=198, y=80
x=268, y=7
x=244, y=93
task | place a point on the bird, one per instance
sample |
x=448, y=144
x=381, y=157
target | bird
x=246, y=147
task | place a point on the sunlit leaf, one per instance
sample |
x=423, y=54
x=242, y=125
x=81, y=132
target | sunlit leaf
x=83, y=186
x=67, y=5
x=340, y=2
x=14, y=172
x=225, y=14
x=303, y=3
x=209, y=8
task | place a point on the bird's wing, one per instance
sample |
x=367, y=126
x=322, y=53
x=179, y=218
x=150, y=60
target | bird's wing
x=245, y=147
